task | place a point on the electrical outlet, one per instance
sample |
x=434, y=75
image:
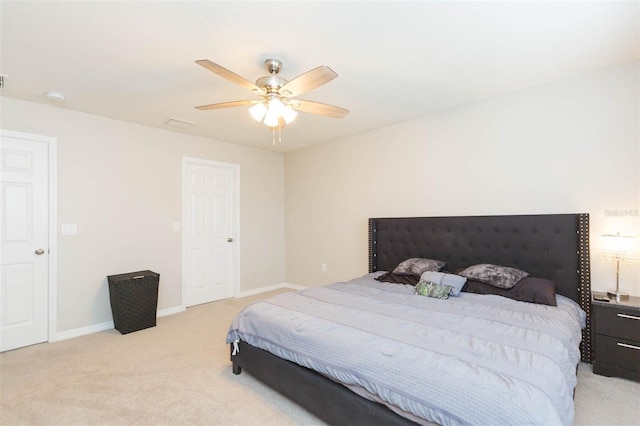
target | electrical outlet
x=323, y=267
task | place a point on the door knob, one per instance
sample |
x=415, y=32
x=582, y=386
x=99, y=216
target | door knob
x=39, y=252
x=230, y=239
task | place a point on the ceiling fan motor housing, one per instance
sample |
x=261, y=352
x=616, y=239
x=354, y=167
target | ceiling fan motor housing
x=271, y=83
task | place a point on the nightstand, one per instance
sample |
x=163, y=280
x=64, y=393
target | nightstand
x=616, y=338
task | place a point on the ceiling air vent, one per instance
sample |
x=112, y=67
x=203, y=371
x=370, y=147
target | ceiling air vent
x=2, y=78
x=179, y=124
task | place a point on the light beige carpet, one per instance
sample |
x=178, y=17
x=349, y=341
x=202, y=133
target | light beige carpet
x=179, y=373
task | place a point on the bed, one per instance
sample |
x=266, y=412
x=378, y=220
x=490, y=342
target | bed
x=448, y=383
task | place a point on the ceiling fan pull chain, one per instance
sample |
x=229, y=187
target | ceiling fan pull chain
x=273, y=136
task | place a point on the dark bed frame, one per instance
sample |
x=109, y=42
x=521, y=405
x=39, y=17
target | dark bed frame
x=554, y=246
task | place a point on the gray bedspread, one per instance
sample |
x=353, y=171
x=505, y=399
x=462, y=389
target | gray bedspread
x=471, y=359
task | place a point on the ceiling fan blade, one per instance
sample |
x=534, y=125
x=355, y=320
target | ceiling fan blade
x=226, y=105
x=318, y=108
x=229, y=75
x=308, y=81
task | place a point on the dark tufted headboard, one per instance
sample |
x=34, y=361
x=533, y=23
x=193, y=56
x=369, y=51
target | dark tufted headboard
x=554, y=246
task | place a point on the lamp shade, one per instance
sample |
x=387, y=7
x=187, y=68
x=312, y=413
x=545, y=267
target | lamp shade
x=620, y=248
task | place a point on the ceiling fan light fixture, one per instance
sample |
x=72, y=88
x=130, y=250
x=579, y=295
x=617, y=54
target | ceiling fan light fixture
x=276, y=106
x=274, y=112
x=271, y=119
x=289, y=114
x=258, y=111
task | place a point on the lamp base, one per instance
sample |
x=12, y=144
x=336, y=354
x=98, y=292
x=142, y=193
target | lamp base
x=618, y=296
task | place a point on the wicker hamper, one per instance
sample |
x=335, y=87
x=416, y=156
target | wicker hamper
x=134, y=300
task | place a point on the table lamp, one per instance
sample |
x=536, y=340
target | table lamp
x=619, y=248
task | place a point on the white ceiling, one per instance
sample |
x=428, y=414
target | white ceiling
x=396, y=60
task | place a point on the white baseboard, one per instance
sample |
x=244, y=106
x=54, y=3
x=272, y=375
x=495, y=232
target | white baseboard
x=170, y=311
x=77, y=332
x=294, y=286
x=269, y=288
x=96, y=328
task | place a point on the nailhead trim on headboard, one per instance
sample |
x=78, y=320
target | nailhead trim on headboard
x=372, y=245
x=586, y=348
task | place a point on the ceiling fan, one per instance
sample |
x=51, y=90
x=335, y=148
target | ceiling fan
x=278, y=106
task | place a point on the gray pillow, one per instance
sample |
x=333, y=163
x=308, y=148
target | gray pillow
x=495, y=275
x=418, y=265
x=429, y=289
x=456, y=282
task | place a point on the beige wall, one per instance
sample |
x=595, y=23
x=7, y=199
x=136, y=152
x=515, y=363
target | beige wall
x=121, y=184
x=572, y=146
x=567, y=147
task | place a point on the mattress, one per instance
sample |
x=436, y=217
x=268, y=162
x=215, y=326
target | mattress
x=470, y=359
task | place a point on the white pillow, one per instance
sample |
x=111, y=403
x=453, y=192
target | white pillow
x=456, y=282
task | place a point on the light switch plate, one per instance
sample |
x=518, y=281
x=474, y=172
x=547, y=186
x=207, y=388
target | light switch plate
x=176, y=226
x=69, y=229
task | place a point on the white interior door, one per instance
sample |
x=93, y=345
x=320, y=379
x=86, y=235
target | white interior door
x=209, y=230
x=24, y=225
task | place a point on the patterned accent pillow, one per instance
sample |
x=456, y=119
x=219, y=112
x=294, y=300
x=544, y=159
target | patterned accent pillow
x=418, y=265
x=495, y=275
x=456, y=282
x=429, y=289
